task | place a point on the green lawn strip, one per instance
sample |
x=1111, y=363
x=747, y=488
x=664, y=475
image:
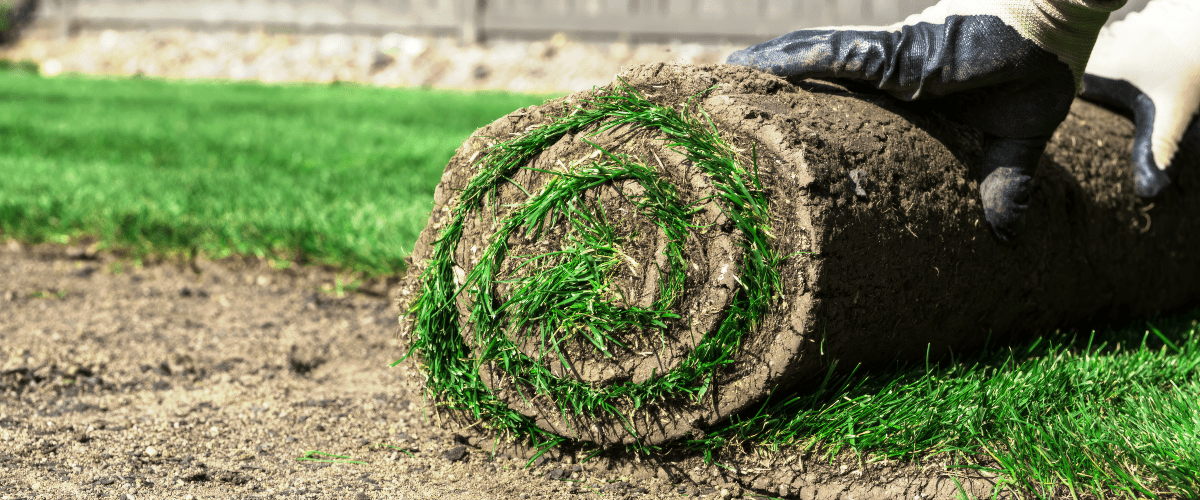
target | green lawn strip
x=1068, y=415
x=330, y=174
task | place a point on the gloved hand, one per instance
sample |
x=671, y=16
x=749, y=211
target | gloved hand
x=1009, y=67
x=1149, y=65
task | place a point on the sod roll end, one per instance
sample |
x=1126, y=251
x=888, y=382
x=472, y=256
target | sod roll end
x=638, y=263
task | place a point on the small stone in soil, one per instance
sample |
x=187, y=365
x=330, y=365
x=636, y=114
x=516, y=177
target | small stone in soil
x=193, y=478
x=456, y=453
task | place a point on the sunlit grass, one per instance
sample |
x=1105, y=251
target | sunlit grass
x=1109, y=414
x=334, y=174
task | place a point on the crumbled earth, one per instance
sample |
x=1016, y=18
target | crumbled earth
x=554, y=65
x=202, y=379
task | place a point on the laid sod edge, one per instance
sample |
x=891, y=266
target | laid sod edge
x=453, y=370
x=306, y=174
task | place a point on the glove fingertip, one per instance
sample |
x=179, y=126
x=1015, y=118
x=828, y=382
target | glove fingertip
x=1148, y=184
x=1149, y=180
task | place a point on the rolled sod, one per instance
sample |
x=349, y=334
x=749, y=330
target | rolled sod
x=638, y=262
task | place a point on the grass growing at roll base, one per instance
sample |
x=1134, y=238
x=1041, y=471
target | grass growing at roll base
x=1054, y=413
x=1115, y=414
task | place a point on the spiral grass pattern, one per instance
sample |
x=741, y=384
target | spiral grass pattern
x=567, y=296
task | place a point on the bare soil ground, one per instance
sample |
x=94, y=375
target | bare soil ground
x=209, y=379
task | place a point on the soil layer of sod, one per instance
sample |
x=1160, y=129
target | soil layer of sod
x=638, y=262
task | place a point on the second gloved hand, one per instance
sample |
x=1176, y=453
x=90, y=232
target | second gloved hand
x=1009, y=67
x=1149, y=65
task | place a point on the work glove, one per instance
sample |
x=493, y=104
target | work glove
x=1007, y=67
x=1149, y=65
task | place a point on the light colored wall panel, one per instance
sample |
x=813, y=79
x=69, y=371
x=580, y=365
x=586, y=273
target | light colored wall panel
x=744, y=18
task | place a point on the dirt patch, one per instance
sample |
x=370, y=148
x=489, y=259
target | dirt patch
x=876, y=205
x=210, y=379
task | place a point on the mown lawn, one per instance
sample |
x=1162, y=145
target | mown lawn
x=344, y=175
x=333, y=174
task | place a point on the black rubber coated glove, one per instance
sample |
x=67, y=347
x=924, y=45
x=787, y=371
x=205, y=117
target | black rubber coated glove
x=1008, y=67
x=1149, y=65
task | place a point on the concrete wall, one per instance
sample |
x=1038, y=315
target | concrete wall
x=633, y=20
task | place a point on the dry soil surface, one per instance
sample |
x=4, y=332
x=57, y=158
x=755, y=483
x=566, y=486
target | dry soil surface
x=210, y=379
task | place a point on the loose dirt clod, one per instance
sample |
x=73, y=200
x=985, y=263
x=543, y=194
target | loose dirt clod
x=875, y=249
x=455, y=454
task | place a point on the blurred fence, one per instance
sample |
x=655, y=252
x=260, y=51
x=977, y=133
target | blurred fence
x=634, y=20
